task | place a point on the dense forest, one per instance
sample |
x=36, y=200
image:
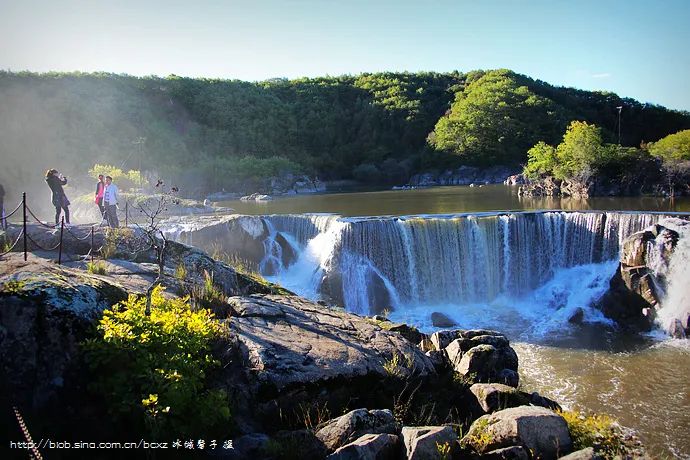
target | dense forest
x=208, y=134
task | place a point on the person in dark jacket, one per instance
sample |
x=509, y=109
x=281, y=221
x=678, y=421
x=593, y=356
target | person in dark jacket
x=3, y=222
x=55, y=181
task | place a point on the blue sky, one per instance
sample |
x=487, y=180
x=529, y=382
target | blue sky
x=635, y=48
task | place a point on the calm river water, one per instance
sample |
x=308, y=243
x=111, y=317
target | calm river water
x=641, y=381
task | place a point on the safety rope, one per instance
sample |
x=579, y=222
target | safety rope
x=34, y=452
x=88, y=235
x=37, y=219
x=41, y=247
x=7, y=216
x=13, y=245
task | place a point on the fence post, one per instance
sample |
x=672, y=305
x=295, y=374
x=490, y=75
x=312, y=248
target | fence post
x=92, y=244
x=24, y=209
x=62, y=228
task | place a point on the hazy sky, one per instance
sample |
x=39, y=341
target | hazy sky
x=635, y=48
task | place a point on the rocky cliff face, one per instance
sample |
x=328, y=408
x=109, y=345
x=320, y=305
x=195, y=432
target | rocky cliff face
x=641, y=281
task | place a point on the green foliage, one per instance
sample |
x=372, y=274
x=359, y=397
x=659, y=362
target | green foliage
x=208, y=134
x=131, y=179
x=598, y=431
x=443, y=450
x=479, y=437
x=580, y=155
x=541, y=159
x=180, y=272
x=153, y=370
x=96, y=267
x=580, y=151
x=207, y=293
x=674, y=147
x=495, y=119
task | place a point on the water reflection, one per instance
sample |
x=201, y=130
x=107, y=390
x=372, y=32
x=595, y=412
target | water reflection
x=447, y=200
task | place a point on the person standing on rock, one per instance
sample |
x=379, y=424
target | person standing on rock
x=110, y=196
x=100, y=190
x=55, y=181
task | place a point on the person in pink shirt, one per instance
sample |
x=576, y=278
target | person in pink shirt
x=100, y=190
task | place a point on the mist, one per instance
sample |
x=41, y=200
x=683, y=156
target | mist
x=70, y=123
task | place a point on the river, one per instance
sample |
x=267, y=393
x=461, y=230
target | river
x=642, y=380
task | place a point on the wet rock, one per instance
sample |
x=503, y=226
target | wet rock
x=676, y=330
x=508, y=377
x=411, y=333
x=540, y=430
x=577, y=316
x=347, y=428
x=421, y=443
x=442, y=320
x=369, y=447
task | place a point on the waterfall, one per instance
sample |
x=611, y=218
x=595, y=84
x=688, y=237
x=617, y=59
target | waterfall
x=444, y=259
x=675, y=303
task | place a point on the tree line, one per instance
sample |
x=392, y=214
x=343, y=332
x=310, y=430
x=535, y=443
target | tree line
x=209, y=134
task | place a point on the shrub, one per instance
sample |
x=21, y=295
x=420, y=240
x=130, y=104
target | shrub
x=153, y=369
x=594, y=431
x=96, y=267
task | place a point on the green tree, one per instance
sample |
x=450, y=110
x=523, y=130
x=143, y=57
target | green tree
x=674, y=147
x=580, y=152
x=541, y=159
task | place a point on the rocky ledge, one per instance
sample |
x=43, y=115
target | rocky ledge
x=288, y=366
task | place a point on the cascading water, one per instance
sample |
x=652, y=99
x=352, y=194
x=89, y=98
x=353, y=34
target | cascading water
x=676, y=300
x=555, y=259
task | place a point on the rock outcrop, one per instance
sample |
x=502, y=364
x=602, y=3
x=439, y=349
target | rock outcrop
x=636, y=289
x=351, y=426
x=534, y=428
x=464, y=175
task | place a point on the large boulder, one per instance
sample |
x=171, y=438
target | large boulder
x=292, y=353
x=422, y=443
x=369, y=447
x=442, y=320
x=493, y=397
x=539, y=430
x=484, y=356
x=348, y=427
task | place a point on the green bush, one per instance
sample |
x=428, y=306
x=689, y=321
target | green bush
x=594, y=430
x=153, y=369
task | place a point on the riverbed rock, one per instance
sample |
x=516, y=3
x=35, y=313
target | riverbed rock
x=537, y=429
x=442, y=320
x=421, y=443
x=369, y=447
x=351, y=426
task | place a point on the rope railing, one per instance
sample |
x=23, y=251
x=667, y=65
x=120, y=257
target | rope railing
x=65, y=232
x=16, y=242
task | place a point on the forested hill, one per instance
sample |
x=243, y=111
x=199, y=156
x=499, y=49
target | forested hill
x=377, y=127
